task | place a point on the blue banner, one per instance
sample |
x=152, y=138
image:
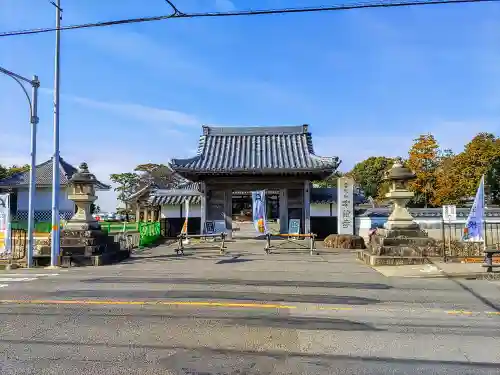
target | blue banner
x=259, y=211
x=475, y=221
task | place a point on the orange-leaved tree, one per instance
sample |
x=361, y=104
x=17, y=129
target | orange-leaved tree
x=423, y=160
x=458, y=181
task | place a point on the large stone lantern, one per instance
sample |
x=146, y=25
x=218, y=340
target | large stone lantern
x=399, y=195
x=82, y=185
x=401, y=241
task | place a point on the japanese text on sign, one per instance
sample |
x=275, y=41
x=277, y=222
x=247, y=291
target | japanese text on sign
x=345, y=205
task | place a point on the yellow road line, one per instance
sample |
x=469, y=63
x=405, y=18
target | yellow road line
x=458, y=312
x=492, y=312
x=164, y=303
x=336, y=308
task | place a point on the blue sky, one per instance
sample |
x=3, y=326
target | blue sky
x=367, y=81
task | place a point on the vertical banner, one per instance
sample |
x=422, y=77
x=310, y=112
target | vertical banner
x=4, y=224
x=345, y=205
x=473, y=230
x=259, y=211
x=186, y=209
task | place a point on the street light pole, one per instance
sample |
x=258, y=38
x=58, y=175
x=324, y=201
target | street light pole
x=55, y=243
x=32, y=189
x=33, y=103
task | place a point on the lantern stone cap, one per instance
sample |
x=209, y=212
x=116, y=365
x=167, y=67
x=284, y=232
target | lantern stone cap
x=399, y=173
x=83, y=175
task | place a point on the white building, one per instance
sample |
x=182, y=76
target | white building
x=18, y=186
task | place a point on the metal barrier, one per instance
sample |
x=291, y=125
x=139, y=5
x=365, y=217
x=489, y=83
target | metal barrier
x=454, y=246
x=183, y=236
x=290, y=238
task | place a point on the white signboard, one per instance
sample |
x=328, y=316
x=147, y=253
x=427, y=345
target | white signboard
x=4, y=223
x=220, y=226
x=450, y=212
x=345, y=205
x=294, y=226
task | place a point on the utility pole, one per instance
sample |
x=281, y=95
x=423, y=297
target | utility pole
x=55, y=242
x=33, y=103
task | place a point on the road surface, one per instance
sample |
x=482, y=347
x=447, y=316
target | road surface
x=245, y=313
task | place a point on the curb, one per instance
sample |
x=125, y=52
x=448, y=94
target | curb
x=475, y=276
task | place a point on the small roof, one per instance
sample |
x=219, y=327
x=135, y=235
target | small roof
x=44, y=176
x=251, y=150
x=192, y=193
x=330, y=195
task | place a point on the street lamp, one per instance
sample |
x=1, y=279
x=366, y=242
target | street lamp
x=33, y=103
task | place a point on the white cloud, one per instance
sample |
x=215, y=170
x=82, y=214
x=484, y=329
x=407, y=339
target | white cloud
x=224, y=5
x=135, y=111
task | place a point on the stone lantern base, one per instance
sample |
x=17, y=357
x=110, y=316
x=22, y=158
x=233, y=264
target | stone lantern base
x=83, y=247
x=400, y=246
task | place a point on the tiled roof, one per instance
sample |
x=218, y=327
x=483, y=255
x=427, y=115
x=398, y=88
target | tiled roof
x=191, y=192
x=437, y=213
x=263, y=149
x=329, y=195
x=44, y=176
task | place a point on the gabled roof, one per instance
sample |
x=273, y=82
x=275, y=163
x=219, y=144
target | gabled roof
x=267, y=150
x=44, y=176
x=330, y=195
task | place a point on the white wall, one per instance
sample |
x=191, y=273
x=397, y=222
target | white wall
x=170, y=211
x=43, y=200
x=320, y=209
x=323, y=209
x=174, y=211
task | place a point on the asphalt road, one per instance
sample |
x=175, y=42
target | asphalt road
x=245, y=313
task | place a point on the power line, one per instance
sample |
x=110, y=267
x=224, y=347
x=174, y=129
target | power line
x=178, y=14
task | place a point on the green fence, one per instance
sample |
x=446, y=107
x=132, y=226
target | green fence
x=114, y=227
x=40, y=227
x=149, y=232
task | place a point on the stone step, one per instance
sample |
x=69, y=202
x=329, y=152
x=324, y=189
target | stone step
x=409, y=251
x=413, y=241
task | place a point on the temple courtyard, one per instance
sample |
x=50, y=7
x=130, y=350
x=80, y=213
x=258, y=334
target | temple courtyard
x=245, y=313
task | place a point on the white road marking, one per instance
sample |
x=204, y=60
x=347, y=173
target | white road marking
x=3, y=285
x=4, y=279
x=31, y=274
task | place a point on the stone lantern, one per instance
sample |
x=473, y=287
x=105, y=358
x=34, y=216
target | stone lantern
x=401, y=241
x=399, y=195
x=82, y=185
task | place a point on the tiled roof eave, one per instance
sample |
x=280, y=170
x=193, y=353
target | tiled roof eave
x=254, y=170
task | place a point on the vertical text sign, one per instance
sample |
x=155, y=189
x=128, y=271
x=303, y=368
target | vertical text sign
x=345, y=205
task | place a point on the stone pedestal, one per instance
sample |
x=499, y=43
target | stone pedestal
x=403, y=243
x=82, y=240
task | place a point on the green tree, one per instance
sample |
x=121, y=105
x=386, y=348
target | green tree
x=157, y=174
x=128, y=184
x=94, y=209
x=369, y=174
x=6, y=172
x=423, y=160
x=330, y=182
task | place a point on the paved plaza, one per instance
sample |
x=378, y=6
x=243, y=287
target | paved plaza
x=245, y=313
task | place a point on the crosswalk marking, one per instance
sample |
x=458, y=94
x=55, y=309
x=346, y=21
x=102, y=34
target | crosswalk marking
x=31, y=274
x=22, y=277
